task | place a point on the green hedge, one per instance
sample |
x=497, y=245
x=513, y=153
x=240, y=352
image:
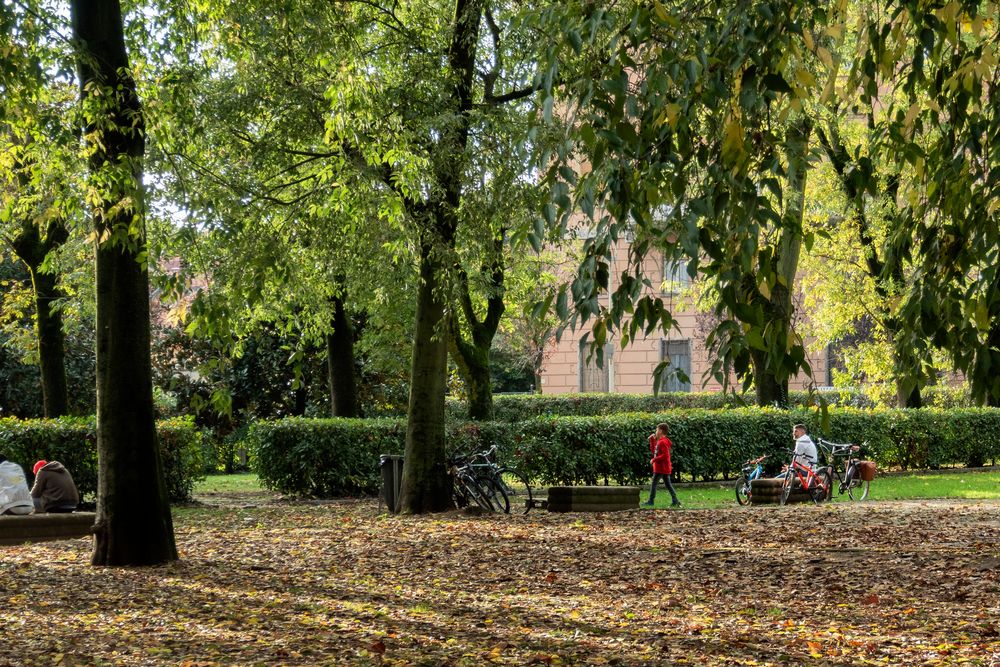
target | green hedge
x=73, y=442
x=323, y=458
x=517, y=407
x=332, y=457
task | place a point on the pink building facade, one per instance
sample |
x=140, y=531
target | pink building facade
x=566, y=368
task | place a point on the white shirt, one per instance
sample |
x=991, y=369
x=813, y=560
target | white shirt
x=14, y=493
x=805, y=451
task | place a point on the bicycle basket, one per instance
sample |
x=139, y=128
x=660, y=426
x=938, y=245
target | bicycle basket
x=866, y=470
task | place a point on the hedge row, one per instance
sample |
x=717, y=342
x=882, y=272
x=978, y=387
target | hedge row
x=73, y=442
x=332, y=457
x=517, y=407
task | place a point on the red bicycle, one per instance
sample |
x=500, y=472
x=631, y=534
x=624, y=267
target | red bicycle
x=817, y=481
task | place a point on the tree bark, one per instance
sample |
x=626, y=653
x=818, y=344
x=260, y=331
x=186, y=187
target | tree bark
x=426, y=484
x=473, y=356
x=134, y=526
x=51, y=345
x=340, y=364
x=32, y=248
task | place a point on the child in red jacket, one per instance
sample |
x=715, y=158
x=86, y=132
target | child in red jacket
x=659, y=448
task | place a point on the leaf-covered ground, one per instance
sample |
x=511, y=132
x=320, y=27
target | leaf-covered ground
x=308, y=584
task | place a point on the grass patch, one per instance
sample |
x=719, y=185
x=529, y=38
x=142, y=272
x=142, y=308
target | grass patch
x=240, y=483
x=962, y=484
x=959, y=484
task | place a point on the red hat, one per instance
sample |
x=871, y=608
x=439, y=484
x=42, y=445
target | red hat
x=37, y=466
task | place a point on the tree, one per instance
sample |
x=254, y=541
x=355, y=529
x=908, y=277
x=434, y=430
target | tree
x=941, y=128
x=671, y=110
x=32, y=243
x=385, y=140
x=134, y=526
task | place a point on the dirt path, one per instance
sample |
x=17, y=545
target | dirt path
x=265, y=582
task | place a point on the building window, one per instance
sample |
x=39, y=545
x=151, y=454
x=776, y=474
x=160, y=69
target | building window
x=678, y=353
x=592, y=378
x=675, y=275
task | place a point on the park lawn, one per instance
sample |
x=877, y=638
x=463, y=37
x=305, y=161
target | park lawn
x=960, y=484
x=278, y=583
x=236, y=483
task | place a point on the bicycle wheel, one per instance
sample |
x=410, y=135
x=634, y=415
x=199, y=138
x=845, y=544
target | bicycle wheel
x=858, y=490
x=742, y=490
x=823, y=486
x=786, y=487
x=475, y=492
x=494, y=490
x=516, y=487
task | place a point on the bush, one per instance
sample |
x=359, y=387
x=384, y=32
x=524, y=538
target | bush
x=323, y=458
x=331, y=457
x=513, y=408
x=73, y=442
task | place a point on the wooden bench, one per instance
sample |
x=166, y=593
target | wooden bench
x=45, y=527
x=592, y=498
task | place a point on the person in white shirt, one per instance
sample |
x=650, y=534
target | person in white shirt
x=15, y=498
x=805, y=448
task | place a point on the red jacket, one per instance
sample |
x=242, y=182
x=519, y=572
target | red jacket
x=660, y=451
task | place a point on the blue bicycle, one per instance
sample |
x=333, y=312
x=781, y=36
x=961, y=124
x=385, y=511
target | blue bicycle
x=751, y=470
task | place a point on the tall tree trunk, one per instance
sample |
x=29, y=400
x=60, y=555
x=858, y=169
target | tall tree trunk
x=473, y=356
x=51, y=345
x=426, y=485
x=32, y=247
x=134, y=526
x=771, y=387
x=473, y=363
x=340, y=364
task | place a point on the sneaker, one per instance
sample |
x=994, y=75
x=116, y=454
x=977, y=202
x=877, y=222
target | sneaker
x=646, y=504
x=675, y=504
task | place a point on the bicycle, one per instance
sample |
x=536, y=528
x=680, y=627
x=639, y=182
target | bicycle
x=850, y=478
x=469, y=488
x=744, y=483
x=818, y=482
x=514, y=485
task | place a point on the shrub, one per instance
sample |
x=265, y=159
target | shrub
x=324, y=458
x=73, y=442
x=513, y=408
x=330, y=457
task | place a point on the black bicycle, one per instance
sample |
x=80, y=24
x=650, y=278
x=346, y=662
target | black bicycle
x=515, y=485
x=470, y=488
x=844, y=465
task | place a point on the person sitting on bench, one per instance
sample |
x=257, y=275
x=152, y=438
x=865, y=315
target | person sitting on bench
x=54, y=490
x=14, y=495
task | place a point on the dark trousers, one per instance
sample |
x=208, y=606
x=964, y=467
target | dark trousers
x=657, y=476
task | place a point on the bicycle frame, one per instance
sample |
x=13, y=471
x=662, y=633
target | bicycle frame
x=810, y=479
x=836, y=452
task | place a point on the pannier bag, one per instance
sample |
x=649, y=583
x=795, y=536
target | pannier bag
x=866, y=470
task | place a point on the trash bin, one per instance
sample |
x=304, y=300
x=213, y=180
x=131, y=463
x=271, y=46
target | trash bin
x=392, y=480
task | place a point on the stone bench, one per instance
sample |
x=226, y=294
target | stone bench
x=592, y=498
x=44, y=527
x=768, y=491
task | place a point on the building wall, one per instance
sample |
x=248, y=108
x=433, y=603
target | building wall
x=631, y=369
